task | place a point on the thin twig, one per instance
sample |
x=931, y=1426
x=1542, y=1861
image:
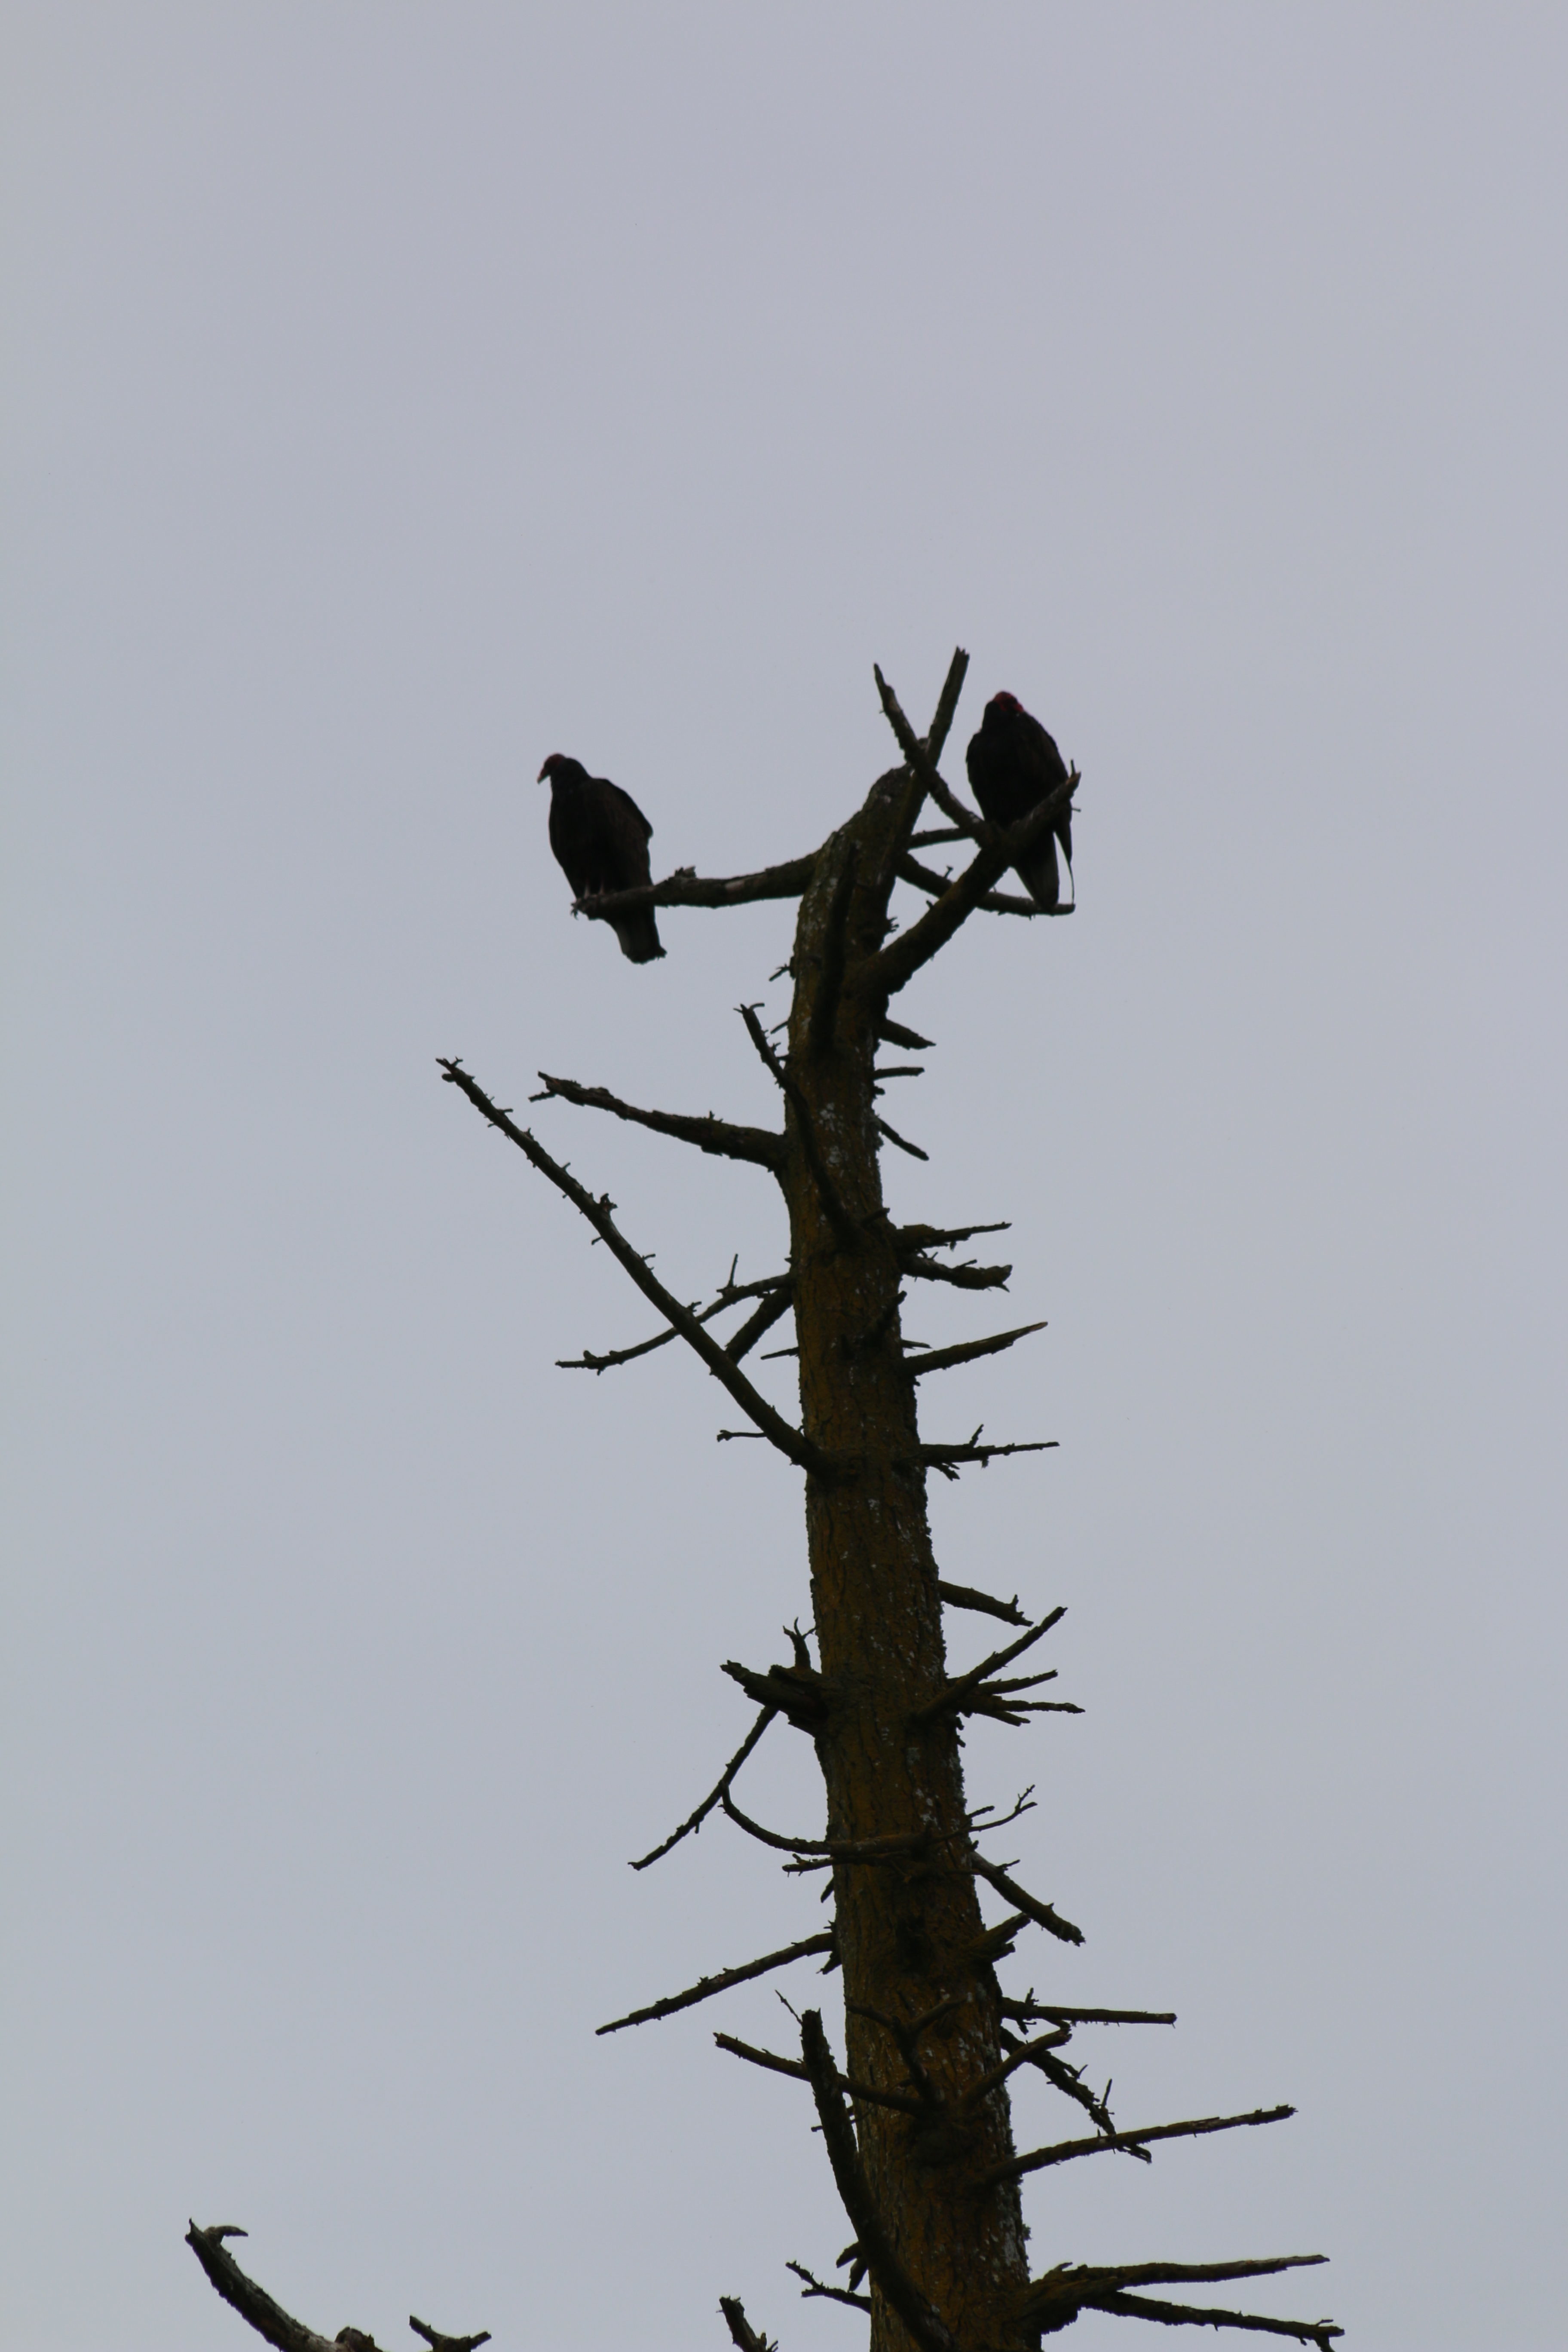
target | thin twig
x=868, y=1850
x=1321, y=2332
x=730, y=1296
x=695, y=1821
x=706, y=1987
x=832, y=2293
x=721, y=1137
x=770, y=1425
x=926, y=2326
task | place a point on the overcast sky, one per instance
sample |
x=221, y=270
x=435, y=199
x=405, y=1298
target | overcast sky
x=395, y=395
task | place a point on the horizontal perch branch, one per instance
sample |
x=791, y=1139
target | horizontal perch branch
x=1066, y=2150
x=685, y=888
x=706, y=1987
x=965, y=1596
x=719, y=1135
x=1052, y=2012
x=772, y=1425
x=949, y=1458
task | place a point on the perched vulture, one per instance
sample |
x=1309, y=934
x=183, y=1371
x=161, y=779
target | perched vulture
x=600, y=837
x=1013, y=764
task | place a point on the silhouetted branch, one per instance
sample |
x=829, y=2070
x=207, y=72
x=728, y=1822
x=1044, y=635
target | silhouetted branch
x=775, y=1291
x=1321, y=2332
x=706, y=1987
x=1029, y=1904
x=1027, y=2011
x=904, y=2102
x=759, y=1144
x=910, y=1039
x=440, y=2343
x=954, y=1693
x=743, y=2334
x=771, y=1424
x=1000, y=847
x=962, y=1277
x=990, y=902
x=272, y=2322
x=1066, y=2150
x=935, y=741
x=902, y=1142
x=797, y=1692
x=695, y=1821
x=948, y=1458
x=965, y=1596
x=832, y=2293
x=930, y=1237
x=868, y=1850
x=942, y=1360
x=686, y=888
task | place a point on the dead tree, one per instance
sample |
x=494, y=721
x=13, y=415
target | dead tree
x=915, y=2120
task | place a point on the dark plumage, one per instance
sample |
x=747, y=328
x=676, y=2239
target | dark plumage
x=1013, y=764
x=600, y=837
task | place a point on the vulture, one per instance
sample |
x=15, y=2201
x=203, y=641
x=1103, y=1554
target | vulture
x=600, y=837
x=1013, y=764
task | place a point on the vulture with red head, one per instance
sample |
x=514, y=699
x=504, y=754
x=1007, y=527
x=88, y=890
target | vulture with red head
x=600, y=837
x=1013, y=765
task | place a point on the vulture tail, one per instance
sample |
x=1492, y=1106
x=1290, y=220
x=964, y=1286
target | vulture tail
x=1039, y=875
x=638, y=935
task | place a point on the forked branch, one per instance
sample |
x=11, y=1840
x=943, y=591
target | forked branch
x=1062, y=2293
x=772, y=1425
x=695, y=1821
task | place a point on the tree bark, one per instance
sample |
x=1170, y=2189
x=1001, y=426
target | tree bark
x=909, y=1933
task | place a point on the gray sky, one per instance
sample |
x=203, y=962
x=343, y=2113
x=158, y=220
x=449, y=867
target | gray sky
x=396, y=394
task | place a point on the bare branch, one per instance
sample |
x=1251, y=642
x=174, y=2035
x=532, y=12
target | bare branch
x=956, y=1691
x=965, y=1596
x=771, y=1424
x=440, y=2343
x=893, y=966
x=1066, y=2150
x=797, y=1692
x=933, y=746
x=990, y=902
x=930, y=1237
x=832, y=2293
x=706, y=1987
x=942, y=1360
x=910, y=1039
x=253, y=2303
x=904, y=2102
x=869, y=1850
x=695, y=1821
x=1071, y=2281
x=686, y=888
x=758, y=1324
x=902, y=1142
x=1321, y=2332
x=775, y=1291
x=718, y=1136
x=964, y=1277
x=947, y=1459
x=1027, y=2011
x=1029, y=1904
x=743, y=2334
x=928, y=2328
